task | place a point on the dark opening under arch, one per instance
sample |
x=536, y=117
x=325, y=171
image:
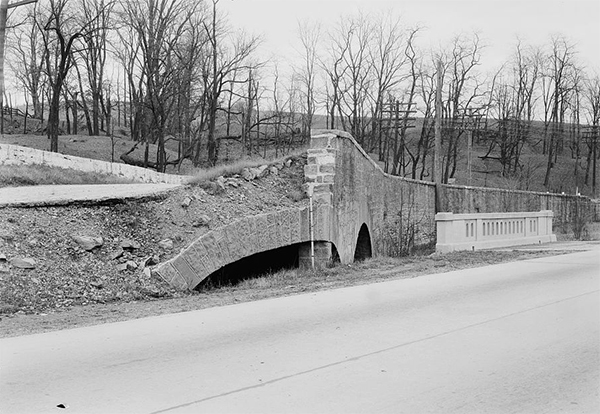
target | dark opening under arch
x=363, y=244
x=256, y=265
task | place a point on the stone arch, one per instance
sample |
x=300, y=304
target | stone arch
x=242, y=238
x=364, y=248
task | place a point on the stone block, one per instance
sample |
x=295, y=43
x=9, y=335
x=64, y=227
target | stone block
x=272, y=237
x=326, y=159
x=304, y=225
x=262, y=231
x=236, y=250
x=285, y=224
x=323, y=198
x=213, y=261
x=322, y=255
x=327, y=169
x=245, y=236
x=325, y=179
x=311, y=169
x=170, y=275
x=195, y=260
x=187, y=273
x=223, y=244
x=322, y=222
x=295, y=226
x=200, y=255
x=321, y=141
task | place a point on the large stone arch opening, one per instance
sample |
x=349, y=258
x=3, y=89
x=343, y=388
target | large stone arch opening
x=252, y=266
x=363, y=244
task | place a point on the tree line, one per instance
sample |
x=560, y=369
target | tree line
x=176, y=69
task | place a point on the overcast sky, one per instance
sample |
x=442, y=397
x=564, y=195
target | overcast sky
x=498, y=22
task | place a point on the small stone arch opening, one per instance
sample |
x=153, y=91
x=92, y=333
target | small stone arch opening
x=335, y=256
x=363, y=244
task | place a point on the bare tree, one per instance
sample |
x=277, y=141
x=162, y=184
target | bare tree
x=462, y=89
x=592, y=103
x=27, y=62
x=310, y=35
x=561, y=63
x=225, y=59
x=387, y=52
x=156, y=28
x=94, y=58
x=62, y=27
x=351, y=75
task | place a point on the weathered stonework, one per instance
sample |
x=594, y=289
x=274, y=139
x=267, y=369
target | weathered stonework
x=243, y=238
x=349, y=191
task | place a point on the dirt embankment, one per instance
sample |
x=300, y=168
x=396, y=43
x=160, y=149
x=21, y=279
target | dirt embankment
x=45, y=264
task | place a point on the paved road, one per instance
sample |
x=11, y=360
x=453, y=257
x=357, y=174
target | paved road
x=520, y=337
x=65, y=194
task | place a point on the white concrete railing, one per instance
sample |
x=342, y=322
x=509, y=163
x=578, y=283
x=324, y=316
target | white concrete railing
x=488, y=230
x=17, y=155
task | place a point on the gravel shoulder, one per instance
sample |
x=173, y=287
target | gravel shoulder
x=291, y=283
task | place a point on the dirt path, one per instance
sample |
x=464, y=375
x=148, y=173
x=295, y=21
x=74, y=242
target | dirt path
x=46, y=195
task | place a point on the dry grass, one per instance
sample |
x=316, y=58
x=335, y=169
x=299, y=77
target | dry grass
x=372, y=270
x=27, y=175
x=230, y=169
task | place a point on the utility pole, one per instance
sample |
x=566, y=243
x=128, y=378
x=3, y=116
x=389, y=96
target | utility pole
x=4, y=6
x=590, y=134
x=400, y=119
x=437, y=152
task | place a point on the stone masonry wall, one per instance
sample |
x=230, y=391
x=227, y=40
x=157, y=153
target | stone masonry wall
x=350, y=190
x=460, y=200
x=392, y=208
x=243, y=238
x=17, y=155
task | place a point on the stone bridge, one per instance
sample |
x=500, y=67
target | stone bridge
x=357, y=211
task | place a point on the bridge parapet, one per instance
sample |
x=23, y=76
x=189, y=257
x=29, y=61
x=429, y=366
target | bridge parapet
x=489, y=230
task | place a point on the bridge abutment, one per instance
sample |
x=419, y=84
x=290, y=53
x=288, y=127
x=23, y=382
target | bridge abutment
x=323, y=255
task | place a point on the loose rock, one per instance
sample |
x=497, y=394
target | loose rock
x=117, y=254
x=248, y=174
x=221, y=182
x=88, y=243
x=166, y=244
x=128, y=244
x=186, y=202
x=23, y=263
x=201, y=221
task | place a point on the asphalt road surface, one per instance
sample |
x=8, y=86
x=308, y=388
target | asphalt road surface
x=47, y=195
x=512, y=338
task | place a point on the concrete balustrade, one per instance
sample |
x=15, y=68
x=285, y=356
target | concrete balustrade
x=489, y=230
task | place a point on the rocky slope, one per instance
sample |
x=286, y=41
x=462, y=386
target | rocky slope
x=57, y=257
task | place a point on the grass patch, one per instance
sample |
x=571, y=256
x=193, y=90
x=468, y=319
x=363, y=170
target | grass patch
x=371, y=270
x=30, y=175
